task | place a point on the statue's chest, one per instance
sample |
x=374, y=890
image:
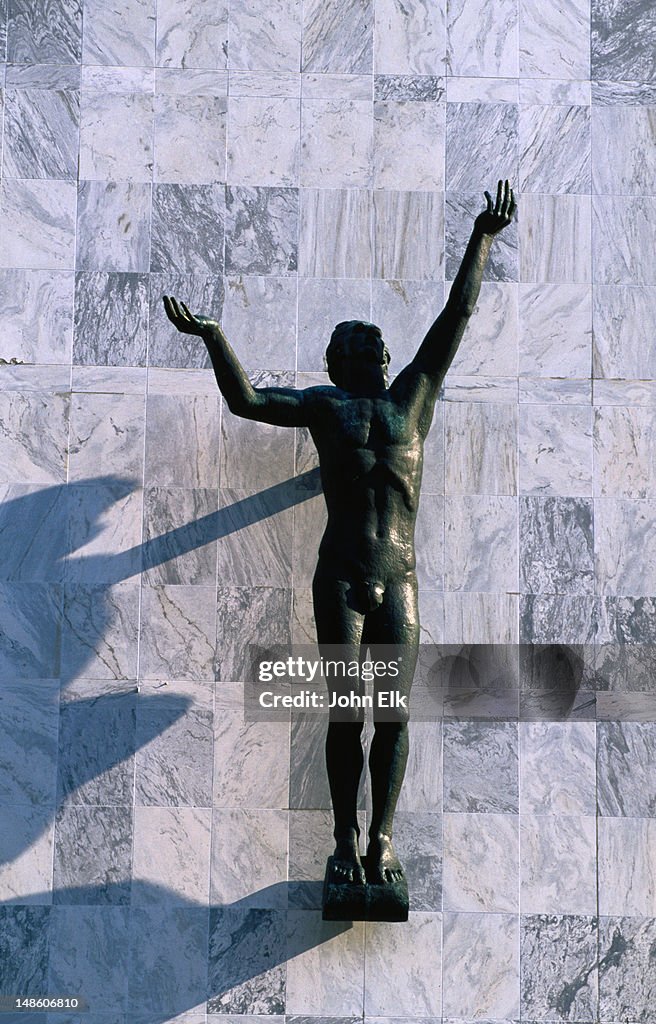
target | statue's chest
x=363, y=423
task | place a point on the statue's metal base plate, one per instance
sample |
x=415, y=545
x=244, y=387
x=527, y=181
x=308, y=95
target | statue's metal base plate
x=353, y=902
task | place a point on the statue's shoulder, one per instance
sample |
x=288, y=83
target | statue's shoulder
x=321, y=393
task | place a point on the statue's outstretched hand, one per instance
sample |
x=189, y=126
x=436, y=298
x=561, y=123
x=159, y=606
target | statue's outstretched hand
x=498, y=215
x=185, y=321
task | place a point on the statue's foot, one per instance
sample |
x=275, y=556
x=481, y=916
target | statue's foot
x=383, y=866
x=346, y=864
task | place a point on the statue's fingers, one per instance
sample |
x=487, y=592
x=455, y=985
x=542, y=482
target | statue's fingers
x=513, y=205
x=490, y=206
x=497, y=205
x=175, y=307
x=506, y=199
x=186, y=312
x=167, y=307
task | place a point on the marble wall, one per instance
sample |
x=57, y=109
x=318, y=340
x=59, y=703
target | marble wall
x=285, y=166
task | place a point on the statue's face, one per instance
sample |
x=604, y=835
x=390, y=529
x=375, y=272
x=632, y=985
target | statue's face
x=360, y=357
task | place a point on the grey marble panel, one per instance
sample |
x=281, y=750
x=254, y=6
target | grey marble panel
x=263, y=141
x=179, y=122
x=255, y=456
x=559, y=967
x=41, y=76
x=623, y=339
x=408, y=145
x=173, y=764
x=116, y=35
x=627, y=866
x=24, y=960
x=336, y=38
x=409, y=38
x=429, y=542
x=335, y=235
x=418, y=842
x=555, y=450
x=39, y=224
x=460, y=209
x=337, y=143
x=96, y=743
x=556, y=545
x=116, y=135
x=481, y=863
x=481, y=767
x=545, y=91
x=482, y=90
x=167, y=510
x=623, y=446
x=50, y=32
x=245, y=615
x=625, y=546
x=555, y=392
x=260, y=315
x=552, y=619
x=623, y=93
x=41, y=133
x=555, y=330
x=265, y=44
x=251, y=762
x=414, y=989
x=111, y=318
x=103, y=531
x=171, y=857
x=100, y=631
x=203, y=294
x=106, y=435
x=257, y=548
x=558, y=867
x=482, y=42
x=89, y=954
x=93, y=852
x=178, y=633
x=28, y=742
x=325, y=972
x=554, y=149
x=554, y=39
x=486, y=523
x=554, y=239
x=480, y=136
x=198, y=248
x=310, y=840
x=622, y=42
x=406, y=235
x=189, y=424
x=482, y=444
x=249, y=858
x=26, y=847
x=557, y=766
x=422, y=787
x=193, y=35
x=621, y=240
x=422, y=88
x=275, y=83
x=405, y=310
x=480, y=618
x=246, y=973
x=34, y=547
x=37, y=315
x=31, y=636
x=490, y=344
x=261, y=230
x=190, y=82
x=625, y=755
x=323, y=303
x=626, y=982
x=113, y=226
x=308, y=781
x=480, y=966
x=34, y=428
x=629, y=168
x=624, y=621
x=168, y=975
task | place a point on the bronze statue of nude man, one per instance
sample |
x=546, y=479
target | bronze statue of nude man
x=369, y=436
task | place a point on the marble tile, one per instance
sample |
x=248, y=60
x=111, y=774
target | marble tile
x=32, y=529
x=197, y=250
x=179, y=121
x=119, y=34
x=190, y=82
x=622, y=338
x=629, y=169
x=256, y=455
x=624, y=546
x=481, y=767
x=467, y=89
x=409, y=38
x=26, y=848
x=178, y=536
x=335, y=87
x=250, y=304
x=554, y=39
x=408, y=145
x=404, y=310
x=326, y=969
x=335, y=234
x=178, y=632
x=116, y=136
x=173, y=763
x=623, y=93
x=634, y=393
x=193, y=35
x=621, y=45
x=167, y=975
x=113, y=226
x=261, y=231
x=37, y=316
x=554, y=239
x=41, y=133
x=31, y=638
x=555, y=392
x=246, y=614
x=625, y=754
x=100, y=631
x=103, y=531
x=255, y=549
x=323, y=303
x=263, y=141
x=251, y=763
x=416, y=988
x=481, y=863
x=558, y=619
x=406, y=235
x=627, y=866
x=336, y=143
x=554, y=149
x=93, y=851
x=111, y=318
x=555, y=330
x=482, y=42
x=556, y=545
x=481, y=441
x=621, y=238
x=265, y=44
x=422, y=787
x=50, y=32
x=421, y=88
x=166, y=346
x=555, y=450
x=481, y=966
x=336, y=38
x=474, y=524
x=171, y=856
x=418, y=842
x=558, y=867
x=626, y=984
x=28, y=744
x=557, y=768
x=310, y=838
x=249, y=858
x=89, y=954
x=545, y=92
x=106, y=435
x=490, y=344
x=480, y=618
x=429, y=542
x=623, y=442
x=96, y=743
x=308, y=781
x=34, y=429
x=194, y=421
x=246, y=962
x=460, y=209
x=480, y=136
x=39, y=224
x=270, y=84
x=559, y=967
x=24, y=965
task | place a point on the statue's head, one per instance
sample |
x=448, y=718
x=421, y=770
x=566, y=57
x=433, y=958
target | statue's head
x=356, y=353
